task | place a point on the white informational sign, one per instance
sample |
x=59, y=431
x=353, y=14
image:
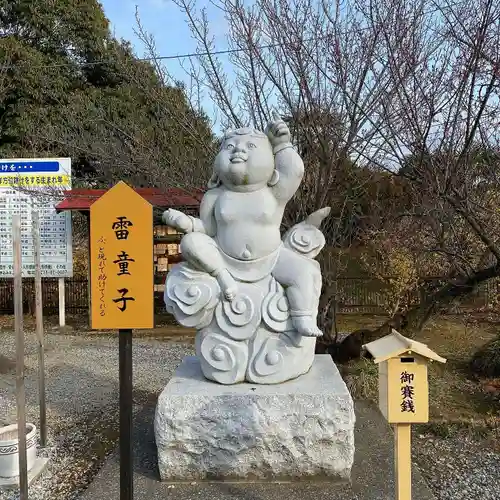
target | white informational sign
x=36, y=184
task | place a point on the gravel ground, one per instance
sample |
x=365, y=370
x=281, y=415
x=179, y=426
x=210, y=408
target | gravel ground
x=82, y=409
x=459, y=468
x=82, y=401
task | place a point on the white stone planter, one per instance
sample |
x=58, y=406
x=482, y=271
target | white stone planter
x=9, y=449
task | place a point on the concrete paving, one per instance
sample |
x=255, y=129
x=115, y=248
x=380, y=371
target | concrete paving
x=372, y=474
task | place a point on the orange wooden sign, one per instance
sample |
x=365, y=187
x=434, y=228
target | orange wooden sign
x=121, y=257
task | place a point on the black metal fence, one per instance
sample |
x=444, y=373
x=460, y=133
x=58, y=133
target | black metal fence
x=76, y=292
x=357, y=295
x=368, y=295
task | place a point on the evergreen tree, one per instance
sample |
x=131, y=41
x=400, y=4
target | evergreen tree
x=68, y=88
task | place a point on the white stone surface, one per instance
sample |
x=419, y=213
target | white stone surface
x=298, y=429
x=39, y=466
x=252, y=295
x=9, y=449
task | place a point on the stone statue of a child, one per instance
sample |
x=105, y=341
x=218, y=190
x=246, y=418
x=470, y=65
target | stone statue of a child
x=255, y=175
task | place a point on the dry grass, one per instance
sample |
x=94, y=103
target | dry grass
x=352, y=322
x=361, y=378
x=455, y=394
x=456, y=397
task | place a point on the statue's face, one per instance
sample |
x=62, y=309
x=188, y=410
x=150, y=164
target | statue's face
x=245, y=160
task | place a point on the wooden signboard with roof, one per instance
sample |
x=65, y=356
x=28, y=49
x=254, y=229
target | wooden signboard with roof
x=403, y=395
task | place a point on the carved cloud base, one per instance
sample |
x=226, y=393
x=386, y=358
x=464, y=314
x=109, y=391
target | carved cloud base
x=266, y=358
x=301, y=429
x=248, y=339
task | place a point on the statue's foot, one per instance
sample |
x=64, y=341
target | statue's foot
x=228, y=284
x=306, y=326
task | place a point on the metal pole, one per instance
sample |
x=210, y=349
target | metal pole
x=20, y=388
x=39, y=327
x=126, y=463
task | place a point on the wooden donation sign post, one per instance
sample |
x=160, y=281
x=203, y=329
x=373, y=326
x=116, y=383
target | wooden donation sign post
x=403, y=395
x=121, y=255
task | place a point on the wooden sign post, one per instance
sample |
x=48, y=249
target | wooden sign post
x=39, y=327
x=403, y=395
x=20, y=382
x=62, y=302
x=121, y=257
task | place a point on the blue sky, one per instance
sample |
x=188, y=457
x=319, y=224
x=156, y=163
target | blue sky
x=163, y=20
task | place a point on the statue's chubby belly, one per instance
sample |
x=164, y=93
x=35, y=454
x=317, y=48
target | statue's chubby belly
x=240, y=240
x=248, y=224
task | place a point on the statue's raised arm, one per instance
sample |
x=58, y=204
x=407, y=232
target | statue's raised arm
x=289, y=167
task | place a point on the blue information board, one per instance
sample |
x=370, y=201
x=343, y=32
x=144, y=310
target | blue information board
x=28, y=185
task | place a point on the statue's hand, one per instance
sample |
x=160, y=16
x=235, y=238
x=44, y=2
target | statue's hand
x=178, y=220
x=278, y=132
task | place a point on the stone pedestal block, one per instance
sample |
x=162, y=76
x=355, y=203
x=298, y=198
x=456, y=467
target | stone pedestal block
x=303, y=428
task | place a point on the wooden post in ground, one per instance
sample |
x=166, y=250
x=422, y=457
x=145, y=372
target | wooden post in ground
x=39, y=327
x=89, y=277
x=20, y=388
x=126, y=452
x=402, y=459
x=62, y=303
